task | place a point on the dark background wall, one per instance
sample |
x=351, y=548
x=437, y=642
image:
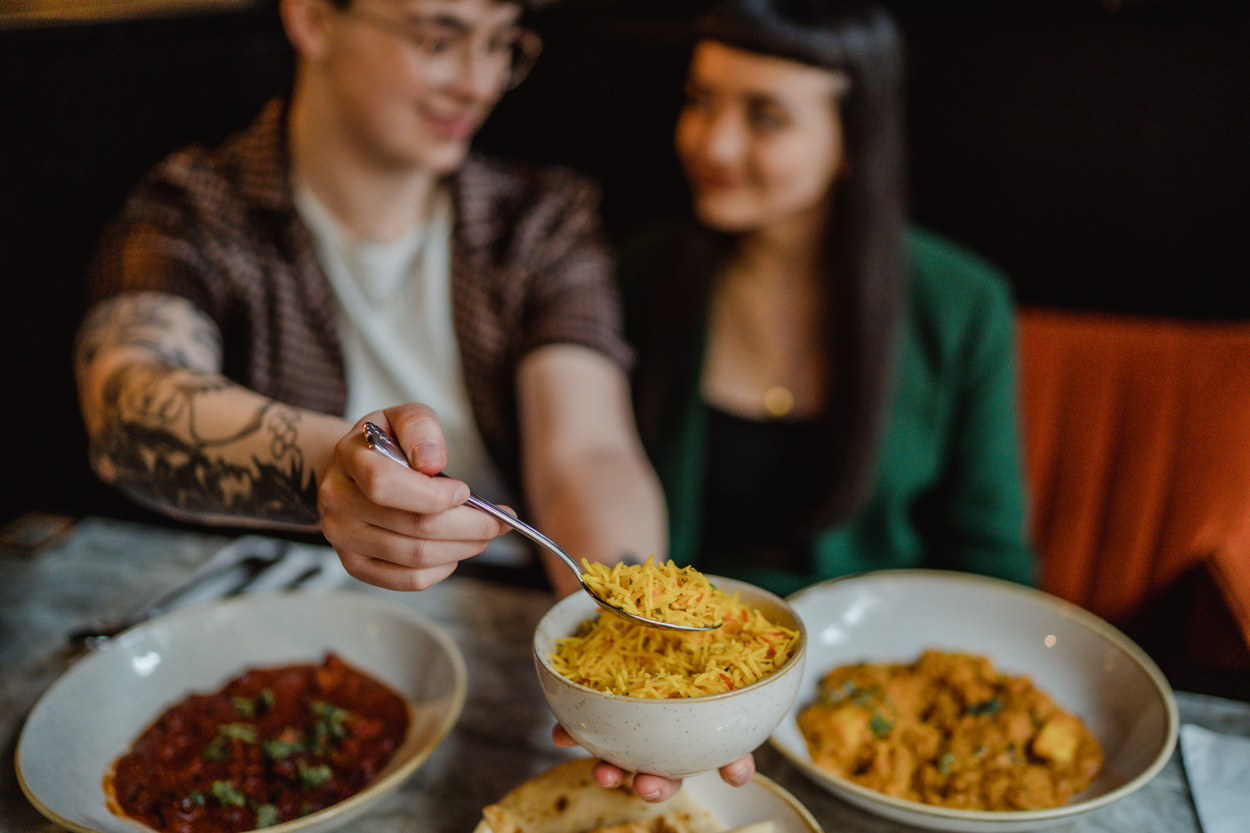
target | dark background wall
x=1095, y=151
x=85, y=109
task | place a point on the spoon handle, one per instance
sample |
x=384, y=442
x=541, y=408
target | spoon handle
x=379, y=440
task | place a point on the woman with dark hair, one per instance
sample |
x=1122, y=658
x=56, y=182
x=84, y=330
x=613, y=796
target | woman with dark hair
x=823, y=389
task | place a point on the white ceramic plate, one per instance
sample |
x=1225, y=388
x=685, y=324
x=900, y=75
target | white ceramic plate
x=760, y=800
x=96, y=709
x=1084, y=664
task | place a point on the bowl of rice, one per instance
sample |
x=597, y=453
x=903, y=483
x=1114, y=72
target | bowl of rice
x=666, y=702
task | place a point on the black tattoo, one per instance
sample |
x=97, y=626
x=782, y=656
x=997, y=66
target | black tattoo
x=140, y=321
x=151, y=447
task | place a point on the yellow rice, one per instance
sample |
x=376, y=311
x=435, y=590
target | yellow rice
x=661, y=592
x=618, y=656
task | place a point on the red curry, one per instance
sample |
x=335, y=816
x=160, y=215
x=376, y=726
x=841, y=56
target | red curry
x=274, y=744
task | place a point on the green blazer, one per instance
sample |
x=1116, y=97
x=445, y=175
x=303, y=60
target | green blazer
x=948, y=491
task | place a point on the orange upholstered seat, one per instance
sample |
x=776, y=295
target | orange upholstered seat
x=1137, y=445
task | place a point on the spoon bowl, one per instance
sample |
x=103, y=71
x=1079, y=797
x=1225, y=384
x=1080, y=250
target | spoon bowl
x=380, y=441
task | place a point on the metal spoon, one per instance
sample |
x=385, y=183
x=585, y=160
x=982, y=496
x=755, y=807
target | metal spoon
x=379, y=440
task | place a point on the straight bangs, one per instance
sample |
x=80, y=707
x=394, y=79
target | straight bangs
x=865, y=252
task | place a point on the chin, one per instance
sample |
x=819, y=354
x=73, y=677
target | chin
x=722, y=218
x=449, y=163
x=443, y=159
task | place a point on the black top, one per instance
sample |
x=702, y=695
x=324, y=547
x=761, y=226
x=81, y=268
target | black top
x=760, y=491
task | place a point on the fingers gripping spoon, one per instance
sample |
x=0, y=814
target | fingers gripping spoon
x=380, y=441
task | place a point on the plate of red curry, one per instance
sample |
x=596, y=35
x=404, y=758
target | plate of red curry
x=285, y=711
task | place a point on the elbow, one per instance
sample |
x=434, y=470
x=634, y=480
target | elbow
x=101, y=463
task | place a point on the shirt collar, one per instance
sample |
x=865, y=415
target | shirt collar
x=266, y=180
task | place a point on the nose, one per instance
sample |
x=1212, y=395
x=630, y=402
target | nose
x=478, y=75
x=721, y=137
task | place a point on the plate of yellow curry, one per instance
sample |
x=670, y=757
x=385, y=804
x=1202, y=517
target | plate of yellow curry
x=957, y=702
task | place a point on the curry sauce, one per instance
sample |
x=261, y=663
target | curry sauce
x=273, y=745
x=949, y=730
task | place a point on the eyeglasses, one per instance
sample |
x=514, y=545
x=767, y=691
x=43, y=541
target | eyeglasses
x=446, y=46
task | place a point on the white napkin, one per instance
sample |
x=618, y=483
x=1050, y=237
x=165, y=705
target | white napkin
x=306, y=566
x=1218, y=767
x=303, y=566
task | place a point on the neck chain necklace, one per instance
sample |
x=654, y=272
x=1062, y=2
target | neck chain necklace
x=771, y=357
x=763, y=361
x=778, y=401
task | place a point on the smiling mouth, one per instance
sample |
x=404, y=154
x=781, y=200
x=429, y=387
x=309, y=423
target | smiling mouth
x=715, y=181
x=452, y=127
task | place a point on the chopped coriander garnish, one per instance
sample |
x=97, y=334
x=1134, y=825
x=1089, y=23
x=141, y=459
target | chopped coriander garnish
x=266, y=815
x=245, y=732
x=315, y=776
x=945, y=761
x=848, y=690
x=218, y=749
x=279, y=749
x=862, y=697
x=329, y=712
x=252, y=706
x=329, y=725
x=227, y=794
x=880, y=726
x=990, y=706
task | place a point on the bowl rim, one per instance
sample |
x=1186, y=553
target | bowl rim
x=544, y=662
x=1063, y=607
x=389, y=780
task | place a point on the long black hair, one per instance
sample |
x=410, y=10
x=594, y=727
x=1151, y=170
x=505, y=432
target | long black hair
x=865, y=250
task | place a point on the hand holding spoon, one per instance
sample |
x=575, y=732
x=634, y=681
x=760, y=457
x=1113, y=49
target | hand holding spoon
x=380, y=441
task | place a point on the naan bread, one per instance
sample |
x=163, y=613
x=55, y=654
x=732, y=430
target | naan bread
x=566, y=799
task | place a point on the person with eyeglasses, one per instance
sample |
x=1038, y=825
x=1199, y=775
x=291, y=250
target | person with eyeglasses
x=348, y=258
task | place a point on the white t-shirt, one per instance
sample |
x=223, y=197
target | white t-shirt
x=399, y=343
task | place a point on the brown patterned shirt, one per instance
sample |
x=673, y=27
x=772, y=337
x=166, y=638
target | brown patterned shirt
x=219, y=227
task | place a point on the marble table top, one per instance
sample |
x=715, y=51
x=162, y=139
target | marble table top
x=104, y=567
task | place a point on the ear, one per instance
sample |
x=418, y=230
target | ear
x=307, y=25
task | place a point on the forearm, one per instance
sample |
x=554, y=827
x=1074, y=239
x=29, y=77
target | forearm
x=172, y=432
x=587, y=479
x=606, y=508
x=196, y=445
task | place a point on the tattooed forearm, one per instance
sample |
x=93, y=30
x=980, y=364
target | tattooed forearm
x=157, y=445
x=167, y=326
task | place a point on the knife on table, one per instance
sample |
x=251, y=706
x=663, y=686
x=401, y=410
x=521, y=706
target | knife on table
x=231, y=570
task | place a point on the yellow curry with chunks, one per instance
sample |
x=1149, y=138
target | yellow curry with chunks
x=949, y=730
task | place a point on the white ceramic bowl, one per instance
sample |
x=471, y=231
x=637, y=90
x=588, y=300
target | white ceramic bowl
x=1085, y=665
x=93, y=712
x=677, y=737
